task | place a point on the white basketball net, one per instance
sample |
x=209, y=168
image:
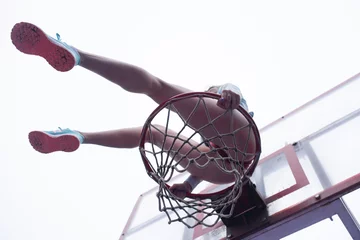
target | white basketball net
x=164, y=163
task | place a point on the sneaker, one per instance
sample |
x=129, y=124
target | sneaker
x=65, y=140
x=30, y=39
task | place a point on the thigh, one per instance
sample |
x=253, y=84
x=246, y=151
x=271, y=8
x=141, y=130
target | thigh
x=182, y=151
x=166, y=90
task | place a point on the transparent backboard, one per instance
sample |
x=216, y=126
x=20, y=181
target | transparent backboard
x=307, y=155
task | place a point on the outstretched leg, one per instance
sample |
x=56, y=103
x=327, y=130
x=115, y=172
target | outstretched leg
x=68, y=141
x=129, y=77
x=30, y=39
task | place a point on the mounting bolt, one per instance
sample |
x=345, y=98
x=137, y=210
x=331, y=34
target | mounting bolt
x=317, y=196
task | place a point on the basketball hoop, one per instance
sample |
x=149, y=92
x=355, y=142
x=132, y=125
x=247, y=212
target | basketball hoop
x=163, y=164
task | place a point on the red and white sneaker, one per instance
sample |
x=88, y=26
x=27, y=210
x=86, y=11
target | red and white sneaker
x=65, y=140
x=30, y=39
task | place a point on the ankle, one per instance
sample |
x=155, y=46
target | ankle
x=81, y=136
x=82, y=56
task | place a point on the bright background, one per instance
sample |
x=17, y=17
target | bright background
x=280, y=53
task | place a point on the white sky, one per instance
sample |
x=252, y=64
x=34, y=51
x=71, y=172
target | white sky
x=280, y=53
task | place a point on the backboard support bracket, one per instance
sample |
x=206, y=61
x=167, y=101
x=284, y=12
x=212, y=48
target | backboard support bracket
x=250, y=212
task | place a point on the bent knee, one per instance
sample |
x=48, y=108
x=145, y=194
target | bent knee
x=161, y=91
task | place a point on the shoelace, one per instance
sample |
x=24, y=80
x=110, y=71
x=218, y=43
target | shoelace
x=58, y=130
x=60, y=40
x=65, y=44
x=58, y=37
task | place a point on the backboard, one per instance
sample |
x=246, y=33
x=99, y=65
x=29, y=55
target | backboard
x=307, y=174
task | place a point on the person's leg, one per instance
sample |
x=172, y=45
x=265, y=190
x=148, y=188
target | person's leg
x=120, y=138
x=129, y=77
x=68, y=141
x=181, y=151
x=30, y=39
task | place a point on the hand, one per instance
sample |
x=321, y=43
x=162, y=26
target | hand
x=229, y=100
x=180, y=189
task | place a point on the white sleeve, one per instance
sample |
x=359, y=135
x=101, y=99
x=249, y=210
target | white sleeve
x=193, y=181
x=231, y=87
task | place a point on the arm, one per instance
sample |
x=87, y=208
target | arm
x=181, y=189
x=230, y=87
x=230, y=95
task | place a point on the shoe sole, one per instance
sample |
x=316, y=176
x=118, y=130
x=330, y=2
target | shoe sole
x=30, y=39
x=45, y=143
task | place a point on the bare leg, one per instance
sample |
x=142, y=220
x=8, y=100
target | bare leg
x=122, y=138
x=130, y=138
x=130, y=78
